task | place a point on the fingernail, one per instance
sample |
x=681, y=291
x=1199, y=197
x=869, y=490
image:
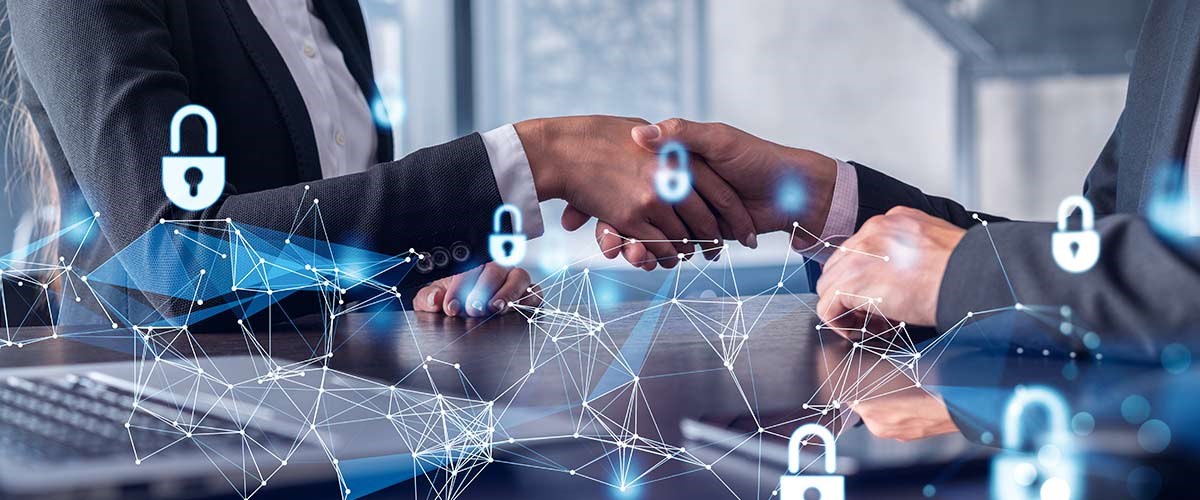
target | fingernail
x=453, y=307
x=751, y=240
x=648, y=132
x=498, y=305
x=433, y=299
x=477, y=305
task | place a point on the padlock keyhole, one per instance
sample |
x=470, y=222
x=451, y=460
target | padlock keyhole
x=192, y=176
x=508, y=248
x=812, y=494
x=1075, y=248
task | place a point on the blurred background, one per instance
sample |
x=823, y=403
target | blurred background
x=1002, y=104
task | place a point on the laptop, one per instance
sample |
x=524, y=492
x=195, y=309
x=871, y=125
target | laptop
x=219, y=426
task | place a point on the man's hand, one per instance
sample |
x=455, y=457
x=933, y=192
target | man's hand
x=487, y=289
x=887, y=399
x=896, y=260
x=590, y=162
x=777, y=184
x=907, y=415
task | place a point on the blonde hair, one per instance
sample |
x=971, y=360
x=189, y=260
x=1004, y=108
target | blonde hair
x=29, y=163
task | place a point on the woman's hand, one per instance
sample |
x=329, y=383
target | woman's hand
x=485, y=290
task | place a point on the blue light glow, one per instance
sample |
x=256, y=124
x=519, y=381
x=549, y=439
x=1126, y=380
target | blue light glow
x=1154, y=436
x=1170, y=210
x=1083, y=423
x=1135, y=409
x=1176, y=358
x=791, y=196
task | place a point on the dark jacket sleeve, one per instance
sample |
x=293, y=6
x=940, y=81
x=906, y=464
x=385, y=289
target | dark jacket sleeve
x=109, y=83
x=878, y=193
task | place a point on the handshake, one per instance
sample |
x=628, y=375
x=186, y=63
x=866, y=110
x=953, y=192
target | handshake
x=742, y=186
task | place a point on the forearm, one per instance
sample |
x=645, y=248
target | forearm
x=1139, y=296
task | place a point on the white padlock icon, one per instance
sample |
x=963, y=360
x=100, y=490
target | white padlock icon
x=1051, y=471
x=793, y=485
x=673, y=184
x=507, y=249
x=193, y=182
x=1076, y=251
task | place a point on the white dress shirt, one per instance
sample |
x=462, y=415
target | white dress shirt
x=341, y=117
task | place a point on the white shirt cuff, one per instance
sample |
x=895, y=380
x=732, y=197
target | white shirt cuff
x=513, y=176
x=843, y=208
x=843, y=212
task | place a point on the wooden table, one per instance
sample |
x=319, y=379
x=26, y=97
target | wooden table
x=778, y=368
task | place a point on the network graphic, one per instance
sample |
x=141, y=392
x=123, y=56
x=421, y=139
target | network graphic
x=208, y=270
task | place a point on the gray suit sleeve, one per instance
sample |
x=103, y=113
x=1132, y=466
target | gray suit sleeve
x=110, y=83
x=1141, y=295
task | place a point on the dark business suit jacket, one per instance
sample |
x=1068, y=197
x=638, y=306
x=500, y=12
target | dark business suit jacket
x=1145, y=290
x=103, y=78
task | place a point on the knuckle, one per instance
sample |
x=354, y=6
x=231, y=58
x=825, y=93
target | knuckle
x=673, y=125
x=874, y=224
x=724, y=199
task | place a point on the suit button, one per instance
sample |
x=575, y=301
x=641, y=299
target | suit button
x=441, y=256
x=424, y=263
x=460, y=252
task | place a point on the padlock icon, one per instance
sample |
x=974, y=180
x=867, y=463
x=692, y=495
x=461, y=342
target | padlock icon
x=1051, y=471
x=507, y=249
x=1076, y=251
x=193, y=182
x=794, y=486
x=673, y=184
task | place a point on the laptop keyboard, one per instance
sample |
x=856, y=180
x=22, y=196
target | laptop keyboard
x=74, y=418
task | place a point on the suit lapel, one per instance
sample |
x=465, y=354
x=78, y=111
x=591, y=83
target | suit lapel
x=343, y=19
x=278, y=78
x=1179, y=71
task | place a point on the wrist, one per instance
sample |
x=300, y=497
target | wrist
x=536, y=137
x=819, y=175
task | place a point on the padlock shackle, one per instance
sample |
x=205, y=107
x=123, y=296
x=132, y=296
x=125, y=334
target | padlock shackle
x=1068, y=205
x=210, y=125
x=676, y=149
x=827, y=439
x=514, y=212
x=1056, y=413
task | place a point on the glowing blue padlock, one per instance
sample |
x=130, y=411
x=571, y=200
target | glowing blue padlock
x=193, y=182
x=507, y=249
x=1076, y=251
x=793, y=485
x=673, y=185
x=1051, y=472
